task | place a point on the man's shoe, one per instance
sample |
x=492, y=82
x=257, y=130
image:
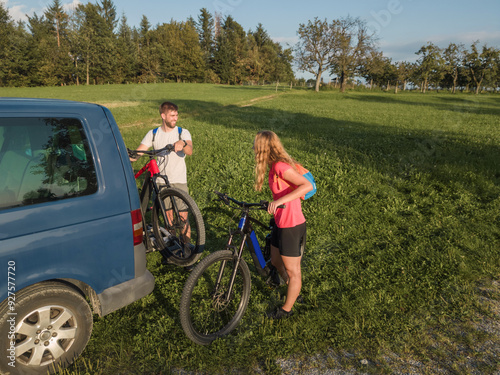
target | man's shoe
x=279, y=313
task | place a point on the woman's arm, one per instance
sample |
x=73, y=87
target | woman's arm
x=295, y=178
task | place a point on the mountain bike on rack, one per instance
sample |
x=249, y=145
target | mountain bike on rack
x=171, y=221
x=216, y=294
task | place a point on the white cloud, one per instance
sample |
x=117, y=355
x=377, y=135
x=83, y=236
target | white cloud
x=290, y=40
x=19, y=12
x=70, y=7
x=484, y=37
x=16, y=12
x=406, y=50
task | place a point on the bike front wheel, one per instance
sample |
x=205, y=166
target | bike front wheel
x=207, y=310
x=179, y=231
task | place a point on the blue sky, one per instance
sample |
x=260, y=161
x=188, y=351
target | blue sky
x=402, y=26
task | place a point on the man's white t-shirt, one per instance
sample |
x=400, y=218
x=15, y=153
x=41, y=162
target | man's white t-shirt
x=172, y=165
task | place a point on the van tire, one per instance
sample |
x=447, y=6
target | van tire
x=51, y=321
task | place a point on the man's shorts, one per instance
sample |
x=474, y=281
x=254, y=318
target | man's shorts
x=181, y=205
x=290, y=241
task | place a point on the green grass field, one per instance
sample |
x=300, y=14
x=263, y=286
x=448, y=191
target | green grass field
x=404, y=227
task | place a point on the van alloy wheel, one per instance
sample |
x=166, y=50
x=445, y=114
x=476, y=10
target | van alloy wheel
x=50, y=325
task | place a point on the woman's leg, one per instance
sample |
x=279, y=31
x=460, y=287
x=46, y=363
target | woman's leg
x=292, y=269
x=277, y=262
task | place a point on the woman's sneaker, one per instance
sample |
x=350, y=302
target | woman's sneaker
x=279, y=313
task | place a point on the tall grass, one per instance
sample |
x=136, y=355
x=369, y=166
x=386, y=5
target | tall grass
x=405, y=224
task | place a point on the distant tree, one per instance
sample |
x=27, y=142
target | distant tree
x=372, y=68
x=6, y=31
x=496, y=79
x=126, y=53
x=230, y=52
x=86, y=43
x=253, y=61
x=403, y=73
x=42, y=52
x=257, y=59
x=354, y=43
x=94, y=42
x=453, y=57
x=144, y=27
x=430, y=65
x=106, y=66
x=316, y=48
x=481, y=65
x=57, y=55
x=56, y=15
x=390, y=74
x=206, y=31
x=191, y=22
x=281, y=64
x=149, y=52
x=205, y=27
x=267, y=60
x=181, y=55
x=261, y=37
x=16, y=66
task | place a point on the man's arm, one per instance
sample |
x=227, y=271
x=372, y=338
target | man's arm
x=142, y=147
x=187, y=147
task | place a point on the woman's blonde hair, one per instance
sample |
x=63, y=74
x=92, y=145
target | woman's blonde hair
x=268, y=150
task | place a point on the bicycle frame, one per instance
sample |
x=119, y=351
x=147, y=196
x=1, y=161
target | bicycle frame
x=248, y=238
x=151, y=190
x=150, y=185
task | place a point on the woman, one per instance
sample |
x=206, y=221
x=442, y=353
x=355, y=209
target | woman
x=289, y=235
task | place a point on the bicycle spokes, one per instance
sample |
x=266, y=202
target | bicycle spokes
x=212, y=309
x=178, y=226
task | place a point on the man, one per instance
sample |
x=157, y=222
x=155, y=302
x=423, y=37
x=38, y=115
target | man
x=172, y=165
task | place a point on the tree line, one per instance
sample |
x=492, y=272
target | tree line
x=92, y=45
x=346, y=49
x=453, y=68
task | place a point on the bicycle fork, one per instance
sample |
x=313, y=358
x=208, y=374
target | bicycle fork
x=237, y=256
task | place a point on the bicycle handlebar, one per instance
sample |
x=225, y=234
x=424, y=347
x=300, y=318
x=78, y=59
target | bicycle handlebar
x=134, y=154
x=227, y=201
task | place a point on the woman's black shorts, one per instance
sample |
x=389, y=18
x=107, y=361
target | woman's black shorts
x=290, y=241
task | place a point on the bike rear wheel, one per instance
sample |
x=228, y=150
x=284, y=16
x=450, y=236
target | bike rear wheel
x=180, y=233
x=206, y=311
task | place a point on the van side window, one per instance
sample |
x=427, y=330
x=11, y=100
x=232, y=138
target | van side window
x=44, y=159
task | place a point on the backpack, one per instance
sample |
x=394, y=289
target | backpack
x=156, y=130
x=304, y=172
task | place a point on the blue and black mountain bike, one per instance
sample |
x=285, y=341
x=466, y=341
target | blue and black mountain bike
x=216, y=294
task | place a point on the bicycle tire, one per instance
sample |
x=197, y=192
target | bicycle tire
x=180, y=241
x=204, y=316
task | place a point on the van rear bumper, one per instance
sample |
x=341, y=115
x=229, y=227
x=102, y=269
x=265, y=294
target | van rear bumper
x=125, y=293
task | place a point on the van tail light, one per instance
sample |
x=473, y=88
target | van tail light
x=137, y=226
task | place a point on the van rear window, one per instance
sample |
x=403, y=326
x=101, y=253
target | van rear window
x=44, y=159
